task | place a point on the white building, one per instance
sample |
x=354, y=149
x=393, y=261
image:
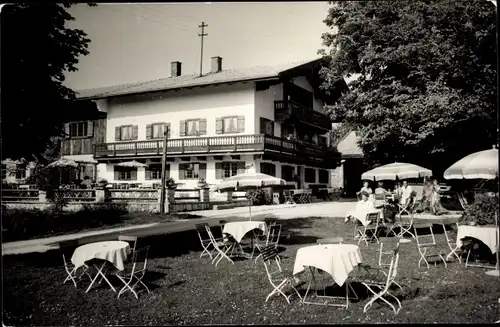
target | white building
x=219, y=123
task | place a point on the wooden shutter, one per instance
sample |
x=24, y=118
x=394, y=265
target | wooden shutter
x=219, y=126
x=262, y=126
x=182, y=171
x=133, y=174
x=117, y=174
x=135, y=132
x=90, y=128
x=168, y=129
x=147, y=176
x=149, y=132
x=241, y=124
x=203, y=127
x=182, y=128
x=118, y=133
x=218, y=170
x=241, y=167
x=66, y=130
x=203, y=170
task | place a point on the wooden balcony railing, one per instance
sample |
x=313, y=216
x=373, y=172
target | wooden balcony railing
x=299, y=112
x=214, y=145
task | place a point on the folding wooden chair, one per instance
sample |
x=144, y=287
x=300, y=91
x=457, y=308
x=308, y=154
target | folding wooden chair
x=135, y=273
x=272, y=239
x=372, y=228
x=427, y=246
x=278, y=280
x=377, y=278
x=67, y=248
x=451, y=241
x=388, y=243
x=222, y=247
x=132, y=241
x=205, y=241
x=405, y=225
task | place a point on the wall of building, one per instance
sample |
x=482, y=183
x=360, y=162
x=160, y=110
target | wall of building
x=174, y=106
x=304, y=83
x=264, y=106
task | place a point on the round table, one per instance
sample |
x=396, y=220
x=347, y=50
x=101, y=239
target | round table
x=238, y=229
x=114, y=252
x=336, y=259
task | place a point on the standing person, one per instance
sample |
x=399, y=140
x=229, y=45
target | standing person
x=405, y=192
x=435, y=199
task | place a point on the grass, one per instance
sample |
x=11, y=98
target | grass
x=187, y=290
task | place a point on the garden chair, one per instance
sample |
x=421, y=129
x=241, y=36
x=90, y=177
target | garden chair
x=67, y=248
x=379, y=200
x=369, y=232
x=272, y=239
x=132, y=276
x=222, y=247
x=451, y=241
x=427, y=246
x=408, y=207
x=205, y=241
x=221, y=224
x=132, y=241
x=288, y=196
x=278, y=280
x=378, y=279
x=405, y=225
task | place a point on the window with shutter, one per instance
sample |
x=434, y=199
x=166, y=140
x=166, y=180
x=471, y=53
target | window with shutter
x=79, y=129
x=230, y=125
x=190, y=170
x=125, y=173
x=192, y=127
x=230, y=168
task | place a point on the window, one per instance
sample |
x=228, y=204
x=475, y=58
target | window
x=192, y=170
x=322, y=140
x=157, y=130
x=192, y=127
x=78, y=129
x=287, y=173
x=154, y=171
x=266, y=126
x=286, y=130
x=268, y=168
x=4, y=171
x=126, y=133
x=323, y=176
x=20, y=173
x=230, y=124
x=310, y=175
x=228, y=169
x=125, y=173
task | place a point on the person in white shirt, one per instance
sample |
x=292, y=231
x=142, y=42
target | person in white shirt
x=366, y=188
x=363, y=208
x=405, y=192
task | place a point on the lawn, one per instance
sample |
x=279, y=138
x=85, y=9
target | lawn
x=190, y=291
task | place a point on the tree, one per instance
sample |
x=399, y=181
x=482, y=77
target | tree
x=427, y=87
x=37, y=49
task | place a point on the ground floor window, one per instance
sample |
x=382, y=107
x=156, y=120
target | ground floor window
x=287, y=173
x=192, y=170
x=228, y=169
x=310, y=175
x=20, y=173
x=154, y=171
x=125, y=173
x=268, y=168
x=323, y=176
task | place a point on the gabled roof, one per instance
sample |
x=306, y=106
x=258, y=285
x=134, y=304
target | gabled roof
x=171, y=83
x=348, y=146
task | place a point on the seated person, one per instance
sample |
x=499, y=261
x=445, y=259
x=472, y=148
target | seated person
x=406, y=191
x=380, y=192
x=366, y=188
x=363, y=208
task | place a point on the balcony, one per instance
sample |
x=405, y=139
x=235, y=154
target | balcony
x=218, y=146
x=289, y=109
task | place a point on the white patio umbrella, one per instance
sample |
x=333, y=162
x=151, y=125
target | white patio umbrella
x=479, y=165
x=133, y=164
x=397, y=170
x=63, y=163
x=247, y=181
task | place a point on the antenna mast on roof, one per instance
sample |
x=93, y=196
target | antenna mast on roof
x=202, y=35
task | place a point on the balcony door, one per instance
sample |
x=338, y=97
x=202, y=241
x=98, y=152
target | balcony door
x=299, y=175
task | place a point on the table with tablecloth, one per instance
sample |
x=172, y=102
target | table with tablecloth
x=238, y=229
x=109, y=252
x=486, y=234
x=337, y=260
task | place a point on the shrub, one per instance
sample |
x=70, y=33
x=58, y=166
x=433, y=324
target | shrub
x=258, y=197
x=481, y=211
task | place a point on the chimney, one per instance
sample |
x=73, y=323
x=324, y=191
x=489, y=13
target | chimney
x=175, y=68
x=216, y=64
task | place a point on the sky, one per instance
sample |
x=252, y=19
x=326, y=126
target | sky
x=137, y=42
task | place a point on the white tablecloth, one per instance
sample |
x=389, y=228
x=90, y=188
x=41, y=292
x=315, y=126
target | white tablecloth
x=485, y=234
x=238, y=229
x=113, y=251
x=361, y=215
x=336, y=259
